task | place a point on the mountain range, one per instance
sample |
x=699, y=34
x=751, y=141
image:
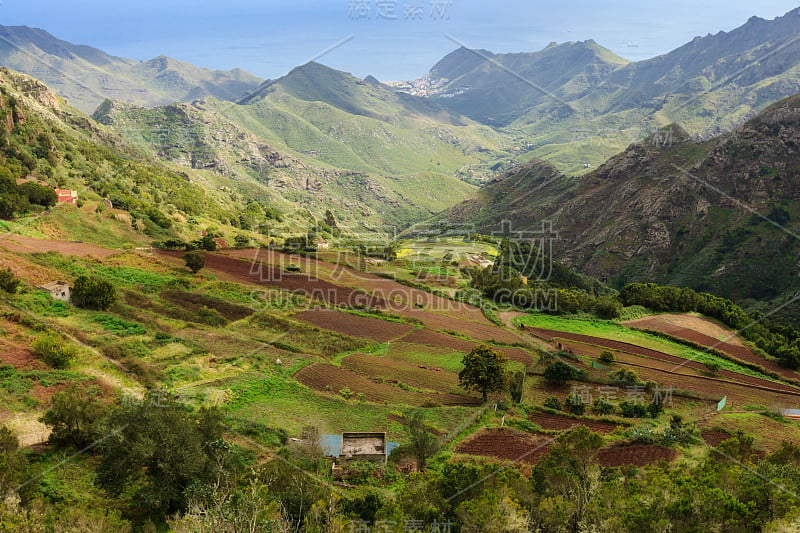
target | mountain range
x=87, y=76
x=694, y=179
x=579, y=103
x=669, y=209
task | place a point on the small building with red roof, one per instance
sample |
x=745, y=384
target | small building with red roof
x=67, y=196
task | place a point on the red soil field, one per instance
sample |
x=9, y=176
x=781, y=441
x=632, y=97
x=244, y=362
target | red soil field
x=421, y=377
x=344, y=286
x=18, y=243
x=356, y=326
x=481, y=331
x=661, y=356
x=666, y=373
x=399, y=296
x=558, y=422
x=714, y=437
x=331, y=379
x=742, y=353
x=264, y=274
x=433, y=338
x=634, y=454
x=19, y=357
x=507, y=444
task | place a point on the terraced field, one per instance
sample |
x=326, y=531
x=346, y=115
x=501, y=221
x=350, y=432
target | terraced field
x=728, y=343
x=507, y=444
x=332, y=379
x=396, y=372
x=562, y=422
x=634, y=454
x=356, y=326
x=679, y=362
x=441, y=340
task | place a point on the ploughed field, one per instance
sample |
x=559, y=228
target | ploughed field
x=354, y=325
x=727, y=342
x=333, y=380
x=508, y=444
x=556, y=422
x=684, y=373
x=428, y=325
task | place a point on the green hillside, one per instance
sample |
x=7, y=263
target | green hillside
x=351, y=146
x=86, y=76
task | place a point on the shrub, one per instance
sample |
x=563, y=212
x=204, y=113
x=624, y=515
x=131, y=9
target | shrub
x=93, y=293
x=575, y=404
x=607, y=307
x=346, y=393
x=623, y=378
x=633, y=409
x=8, y=282
x=655, y=408
x=174, y=244
x=55, y=351
x=195, y=261
x=603, y=407
x=206, y=243
x=560, y=372
x=607, y=357
x=553, y=403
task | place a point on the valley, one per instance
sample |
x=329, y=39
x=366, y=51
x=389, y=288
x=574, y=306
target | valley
x=549, y=291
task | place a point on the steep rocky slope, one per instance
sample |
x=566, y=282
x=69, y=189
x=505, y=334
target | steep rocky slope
x=720, y=215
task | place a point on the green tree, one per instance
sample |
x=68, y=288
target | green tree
x=195, y=261
x=56, y=351
x=13, y=204
x=14, y=469
x=567, y=474
x=421, y=443
x=75, y=415
x=158, y=452
x=8, y=281
x=38, y=194
x=93, y=293
x=484, y=371
x=560, y=372
x=607, y=307
x=607, y=357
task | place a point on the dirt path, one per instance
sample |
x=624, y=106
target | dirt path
x=507, y=318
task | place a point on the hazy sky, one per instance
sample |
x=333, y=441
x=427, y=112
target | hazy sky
x=391, y=39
